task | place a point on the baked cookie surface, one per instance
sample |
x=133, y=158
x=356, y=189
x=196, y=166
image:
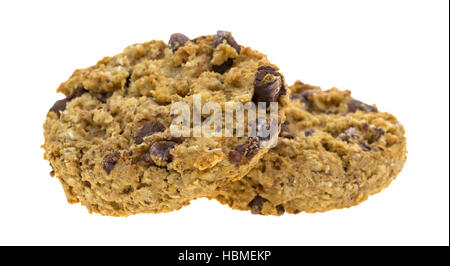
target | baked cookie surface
x=109, y=141
x=333, y=152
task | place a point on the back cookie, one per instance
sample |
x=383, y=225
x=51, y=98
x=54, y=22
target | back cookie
x=333, y=152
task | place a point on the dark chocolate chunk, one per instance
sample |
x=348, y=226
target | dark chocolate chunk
x=103, y=97
x=241, y=149
x=235, y=157
x=277, y=163
x=77, y=94
x=148, y=129
x=248, y=150
x=285, y=132
x=288, y=136
x=302, y=96
x=365, y=146
x=225, y=35
x=110, y=161
x=308, y=132
x=127, y=81
x=176, y=41
x=127, y=190
x=377, y=132
x=280, y=209
x=365, y=126
x=218, y=39
x=161, y=150
x=297, y=96
x=256, y=204
x=268, y=89
x=355, y=105
x=350, y=133
x=87, y=184
x=147, y=158
x=252, y=148
x=284, y=127
x=223, y=67
x=296, y=211
x=59, y=105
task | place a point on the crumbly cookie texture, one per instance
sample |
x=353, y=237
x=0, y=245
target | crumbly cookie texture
x=333, y=152
x=109, y=140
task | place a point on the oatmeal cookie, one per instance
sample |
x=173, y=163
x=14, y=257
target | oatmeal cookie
x=109, y=141
x=333, y=152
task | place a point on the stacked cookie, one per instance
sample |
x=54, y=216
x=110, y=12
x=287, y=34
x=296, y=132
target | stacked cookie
x=121, y=144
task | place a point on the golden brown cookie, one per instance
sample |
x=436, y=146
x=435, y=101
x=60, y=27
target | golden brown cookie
x=110, y=141
x=333, y=152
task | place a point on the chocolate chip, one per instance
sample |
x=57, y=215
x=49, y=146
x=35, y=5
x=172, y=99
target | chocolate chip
x=148, y=129
x=225, y=35
x=284, y=127
x=160, y=151
x=288, y=136
x=355, y=105
x=110, y=161
x=248, y=150
x=223, y=67
x=377, y=132
x=277, y=164
x=176, y=41
x=353, y=134
x=146, y=157
x=302, y=96
x=263, y=167
x=241, y=149
x=365, y=146
x=296, y=211
x=103, y=97
x=256, y=204
x=235, y=157
x=365, y=126
x=285, y=132
x=308, y=132
x=297, y=96
x=218, y=39
x=87, y=184
x=77, y=94
x=59, y=105
x=127, y=190
x=269, y=85
x=127, y=81
x=280, y=209
x=350, y=133
x=252, y=148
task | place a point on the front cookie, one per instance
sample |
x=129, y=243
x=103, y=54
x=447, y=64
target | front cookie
x=111, y=141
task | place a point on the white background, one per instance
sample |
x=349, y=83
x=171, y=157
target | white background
x=392, y=53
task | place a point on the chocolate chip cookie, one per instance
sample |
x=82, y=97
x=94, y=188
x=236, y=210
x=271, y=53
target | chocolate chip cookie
x=333, y=152
x=110, y=140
